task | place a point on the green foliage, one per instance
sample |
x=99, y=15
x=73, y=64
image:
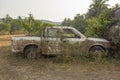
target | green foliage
x=79, y=22
x=27, y=25
x=9, y=25
x=96, y=8
x=47, y=24
x=99, y=26
x=7, y=19
x=106, y=17
x=32, y=26
x=4, y=28
x=98, y=18
x=16, y=26
x=93, y=27
x=67, y=22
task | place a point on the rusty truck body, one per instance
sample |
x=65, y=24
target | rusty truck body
x=55, y=40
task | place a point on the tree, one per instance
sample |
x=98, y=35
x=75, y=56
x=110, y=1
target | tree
x=4, y=28
x=79, y=22
x=67, y=22
x=99, y=27
x=96, y=8
x=6, y=23
x=32, y=26
x=93, y=27
x=16, y=26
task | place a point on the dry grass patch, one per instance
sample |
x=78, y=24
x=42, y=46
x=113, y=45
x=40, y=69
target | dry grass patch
x=5, y=40
x=14, y=67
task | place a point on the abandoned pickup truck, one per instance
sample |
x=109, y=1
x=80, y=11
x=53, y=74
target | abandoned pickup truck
x=55, y=40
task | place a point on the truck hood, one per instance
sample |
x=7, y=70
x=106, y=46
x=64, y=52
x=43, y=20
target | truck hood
x=97, y=39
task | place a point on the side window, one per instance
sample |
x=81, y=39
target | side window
x=69, y=33
x=53, y=32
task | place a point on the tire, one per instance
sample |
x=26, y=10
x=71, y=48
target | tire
x=98, y=51
x=31, y=52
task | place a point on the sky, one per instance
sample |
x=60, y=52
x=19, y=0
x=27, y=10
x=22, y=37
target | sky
x=54, y=10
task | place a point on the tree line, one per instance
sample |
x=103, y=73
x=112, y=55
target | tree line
x=22, y=25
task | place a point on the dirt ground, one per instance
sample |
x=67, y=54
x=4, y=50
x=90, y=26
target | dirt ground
x=14, y=67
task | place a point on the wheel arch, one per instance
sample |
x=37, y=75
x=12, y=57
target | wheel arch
x=27, y=46
x=102, y=46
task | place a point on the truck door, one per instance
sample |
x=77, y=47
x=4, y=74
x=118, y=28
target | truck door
x=50, y=41
x=71, y=41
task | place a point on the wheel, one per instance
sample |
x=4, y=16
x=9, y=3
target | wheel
x=31, y=52
x=97, y=51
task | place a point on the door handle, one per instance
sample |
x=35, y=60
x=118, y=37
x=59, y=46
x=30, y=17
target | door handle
x=65, y=41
